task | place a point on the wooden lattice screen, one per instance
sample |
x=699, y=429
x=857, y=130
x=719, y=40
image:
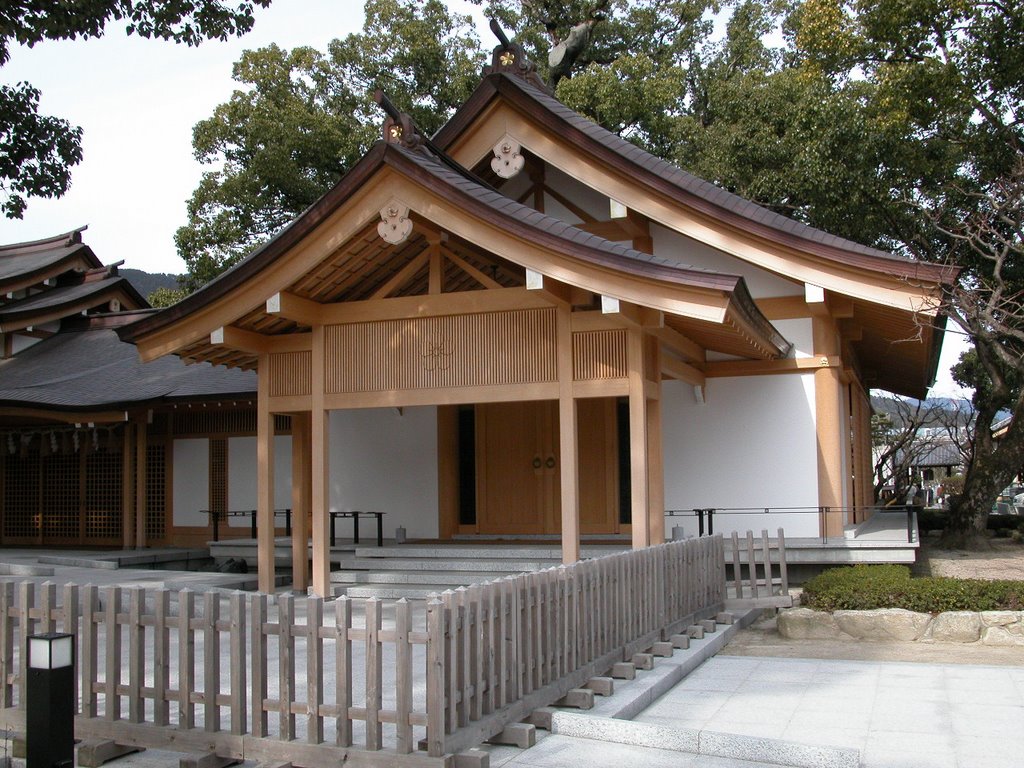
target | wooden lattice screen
x=156, y=492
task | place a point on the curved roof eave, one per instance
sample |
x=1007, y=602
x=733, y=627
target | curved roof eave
x=472, y=196
x=682, y=187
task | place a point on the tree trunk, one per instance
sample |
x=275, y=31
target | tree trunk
x=993, y=466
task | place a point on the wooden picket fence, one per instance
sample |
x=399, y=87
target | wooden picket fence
x=363, y=681
x=759, y=572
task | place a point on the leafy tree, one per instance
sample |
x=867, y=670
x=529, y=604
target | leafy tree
x=165, y=297
x=38, y=151
x=304, y=117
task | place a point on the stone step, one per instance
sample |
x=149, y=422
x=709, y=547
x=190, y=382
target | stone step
x=431, y=564
x=391, y=592
x=483, y=551
x=449, y=578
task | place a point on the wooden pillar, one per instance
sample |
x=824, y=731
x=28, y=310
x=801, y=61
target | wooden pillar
x=567, y=441
x=264, y=480
x=639, y=481
x=302, y=474
x=141, y=464
x=127, y=495
x=320, y=469
x=829, y=422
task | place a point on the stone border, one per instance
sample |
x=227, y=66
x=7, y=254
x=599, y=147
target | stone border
x=991, y=628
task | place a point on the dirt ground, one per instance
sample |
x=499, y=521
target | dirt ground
x=1003, y=560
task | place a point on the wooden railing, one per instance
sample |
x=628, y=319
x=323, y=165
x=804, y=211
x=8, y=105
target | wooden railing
x=368, y=682
x=759, y=573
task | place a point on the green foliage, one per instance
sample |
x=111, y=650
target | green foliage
x=866, y=587
x=165, y=297
x=302, y=118
x=37, y=151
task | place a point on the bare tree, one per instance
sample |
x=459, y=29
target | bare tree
x=901, y=439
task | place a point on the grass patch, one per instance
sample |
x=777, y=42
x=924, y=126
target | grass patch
x=865, y=587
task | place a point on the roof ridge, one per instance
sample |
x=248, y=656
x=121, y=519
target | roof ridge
x=65, y=239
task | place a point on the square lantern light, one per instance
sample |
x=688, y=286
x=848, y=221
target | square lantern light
x=52, y=650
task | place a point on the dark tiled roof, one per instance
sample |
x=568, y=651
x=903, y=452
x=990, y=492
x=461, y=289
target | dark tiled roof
x=85, y=294
x=22, y=260
x=89, y=369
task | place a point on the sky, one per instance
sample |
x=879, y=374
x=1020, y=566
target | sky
x=137, y=101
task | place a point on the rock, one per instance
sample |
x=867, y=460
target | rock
x=955, y=627
x=807, y=624
x=1003, y=636
x=883, y=624
x=1000, y=618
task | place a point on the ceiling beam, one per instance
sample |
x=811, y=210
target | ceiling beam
x=242, y=341
x=677, y=369
x=295, y=308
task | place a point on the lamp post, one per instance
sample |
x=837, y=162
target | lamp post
x=50, y=705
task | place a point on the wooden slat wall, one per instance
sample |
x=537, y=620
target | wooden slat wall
x=481, y=651
x=290, y=373
x=598, y=355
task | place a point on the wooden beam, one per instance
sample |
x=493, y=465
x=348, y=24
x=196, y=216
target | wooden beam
x=241, y=340
x=264, y=480
x=728, y=368
x=402, y=276
x=677, y=369
x=683, y=346
x=435, y=278
x=567, y=440
x=783, y=307
x=67, y=417
x=463, y=302
x=484, y=280
x=302, y=474
x=295, y=308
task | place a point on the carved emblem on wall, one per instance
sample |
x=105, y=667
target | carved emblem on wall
x=437, y=354
x=395, y=225
x=507, y=160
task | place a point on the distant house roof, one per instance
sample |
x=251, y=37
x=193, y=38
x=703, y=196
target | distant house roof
x=944, y=454
x=81, y=293
x=90, y=368
x=29, y=263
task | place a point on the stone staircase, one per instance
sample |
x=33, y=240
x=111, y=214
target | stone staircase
x=416, y=570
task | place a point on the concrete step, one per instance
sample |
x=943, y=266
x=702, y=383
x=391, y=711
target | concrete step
x=448, y=578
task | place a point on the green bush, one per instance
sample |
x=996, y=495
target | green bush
x=865, y=587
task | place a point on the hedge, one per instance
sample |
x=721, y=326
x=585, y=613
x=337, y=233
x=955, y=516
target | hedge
x=865, y=587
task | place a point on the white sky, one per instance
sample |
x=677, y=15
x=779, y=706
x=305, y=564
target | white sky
x=137, y=101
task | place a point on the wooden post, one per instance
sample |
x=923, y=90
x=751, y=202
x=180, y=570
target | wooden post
x=568, y=453
x=141, y=448
x=302, y=474
x=637, y=440
x=320, y=470
x=655, y=472
x=264, y=480
x=829, y=423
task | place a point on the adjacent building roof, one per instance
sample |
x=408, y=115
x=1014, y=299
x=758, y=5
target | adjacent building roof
x=68, y=297
x=30, y=263
x=90, y=368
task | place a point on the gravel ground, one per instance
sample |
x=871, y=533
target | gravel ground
x=1003, y=559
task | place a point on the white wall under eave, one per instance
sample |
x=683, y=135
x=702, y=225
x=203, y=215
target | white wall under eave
x=799, y=333
x=752, y=443
x=384, y=460
x=685, y=251
x=242, y=477
x=191, y=482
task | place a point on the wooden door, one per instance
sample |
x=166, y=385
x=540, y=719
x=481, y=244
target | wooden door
x=517, y=468
x=518, y=480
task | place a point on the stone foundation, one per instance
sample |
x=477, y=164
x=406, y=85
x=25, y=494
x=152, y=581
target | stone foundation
x=996, y=628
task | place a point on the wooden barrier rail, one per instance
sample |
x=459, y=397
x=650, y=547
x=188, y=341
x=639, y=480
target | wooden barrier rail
x=364, y=682
x=766, y=583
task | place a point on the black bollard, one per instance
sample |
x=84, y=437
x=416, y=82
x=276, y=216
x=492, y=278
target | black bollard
x=50, y=704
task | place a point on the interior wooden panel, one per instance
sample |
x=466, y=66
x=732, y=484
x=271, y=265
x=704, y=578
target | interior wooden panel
x=598, y=465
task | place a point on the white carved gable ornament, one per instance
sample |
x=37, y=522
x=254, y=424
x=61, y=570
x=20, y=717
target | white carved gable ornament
x=395, y=225
x=507, y=160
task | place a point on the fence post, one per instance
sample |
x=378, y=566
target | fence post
x=26, y=600
x=343, y=669
x=112, y=667
x=286, y=670
x=136, y=654
x=161, y=655
x=403, y=676
x=69, y=624
x=314, y=669
x=6, y=644
x=374, y=674
x=237, y=645
x=89, y=650
x=186, y=659
x=436, y=658
x=258, y=663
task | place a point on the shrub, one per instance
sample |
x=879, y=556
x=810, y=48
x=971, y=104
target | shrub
x=865, y=587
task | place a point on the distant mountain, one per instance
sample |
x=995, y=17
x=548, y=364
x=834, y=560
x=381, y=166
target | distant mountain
x=147, y=282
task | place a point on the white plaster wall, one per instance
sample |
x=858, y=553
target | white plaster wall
x=242, y=476
x=751, y=444
x=191, y=484
x=686, y=251
x=587, y=198
x=800, y=333
x=385, y=461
